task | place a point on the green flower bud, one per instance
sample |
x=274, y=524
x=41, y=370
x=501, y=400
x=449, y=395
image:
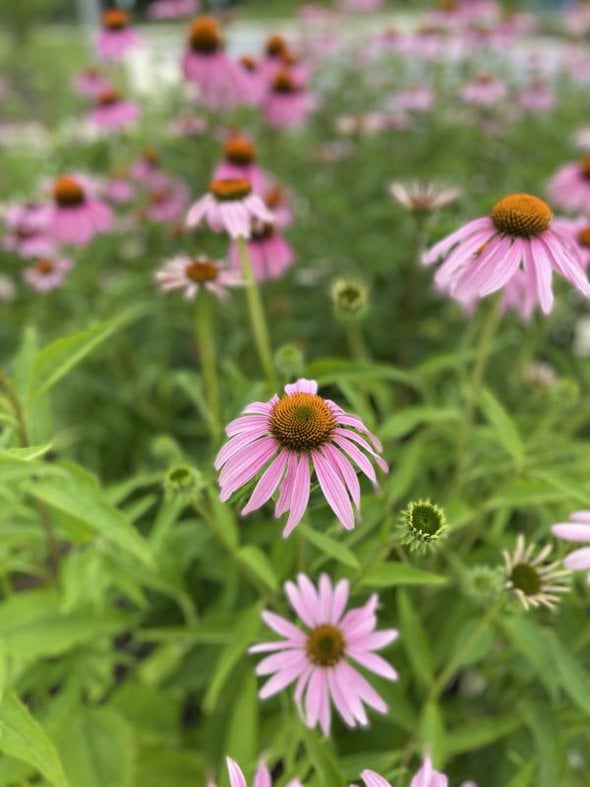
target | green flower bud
x=350, y=299
x=421, y=524
x=483, y=584
x=289, y=362
x=184, y=481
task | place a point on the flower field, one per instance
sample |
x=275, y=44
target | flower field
x=294, y=397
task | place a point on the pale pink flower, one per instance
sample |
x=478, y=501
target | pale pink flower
x=28, y=230
x=414, y=99
x=119, y=188
x=192, y=275
x=484, y=91
x=318, y=660
x=239, y=163
x=47, y=274
x=532, y=579
x=205, y=64
x=262, y=777
x=422, y=197
x=229, y=206
x=270, y=254
x=287, y=102
x=289, y=436
x=578, y=529
x=116, y=36
x=77, y=215
x=569, y=188
x=148, y=170
x=90, y=82
x=113, y=112
x=537, y=97
x=172, y=9
x=485, y=254
x=167, y=202
x=425, y=777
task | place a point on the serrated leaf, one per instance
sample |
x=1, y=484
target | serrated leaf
x=330, y=547
x=22, y=736
x=392, y=574
x=505, y=430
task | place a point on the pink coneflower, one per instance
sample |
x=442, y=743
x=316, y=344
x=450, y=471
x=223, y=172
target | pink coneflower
x=276, y=46
x=172, y=9
x=536, y=98
x=168, y=202
x=277, y=201
x=290, y=436
x=319, y=659
x=578, y=529
x=239, y=163
x=112, y=112
x=187, y=125
x=569, y=188
x=76, y=215
x=534, y=581
x=192, y=275
x=253, y=79
x=90, y=82
x=206, y=65
x=47, y=274
x=262, y=777
x=119, y=188
x=414, y=99
x=116, y=36
x=148, y=170
x=270, y=254
x=28, y=230
x=422, y=197
x=229, y=206
x=287, y=103
x=484, y=91
x=486, y=253
x=425, y=777
x=578, y=230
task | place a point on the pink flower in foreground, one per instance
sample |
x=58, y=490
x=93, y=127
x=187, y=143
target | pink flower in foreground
x=569, y=188
x=112, y=112
x=270, y=254
x=318, y=660
x=116, y=36
x=289, y=436
x=578, y=529
x=262, y=777
x=47, y=274
x=239, y=162
x=193, y=275
x=485, y=254
x=77, y=215
x=229, y=205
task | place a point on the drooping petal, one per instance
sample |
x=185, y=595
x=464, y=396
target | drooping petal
x=334, y=490
x=266, y=486
x=236, y=777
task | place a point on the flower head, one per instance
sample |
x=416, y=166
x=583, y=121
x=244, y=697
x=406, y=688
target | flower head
x=421, y=524
x=318, y=659
x=193, y=275
x=569, y=188
x=116, y=35
x=47, y=274
x=289, y=436
x=350, y=299
x=533, y=580
x=578, y=529
x=229, y=205
x=262, y=777
x=487, y=253
x=422, y=197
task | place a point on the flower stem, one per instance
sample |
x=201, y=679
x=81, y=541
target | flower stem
x=356, y=342
x=486, y=339
x=206, y=345
x=257, y=317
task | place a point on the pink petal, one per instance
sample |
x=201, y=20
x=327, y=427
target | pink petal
x=286, y=491
x=302, y=386
x=304, y=603
x=571, y=532
x=347, y=472
x=581, y=516
x=236, y=777
x=442, y=247
x=373, y=663
x=236, y=444
x=538, y=271
x=267, y=484
x=262, y=777
x=334, y=490
x=283, y=626
x=372, y=779
x=579, y=559
x=278, y=662
x=283, y=678
x=300, y=496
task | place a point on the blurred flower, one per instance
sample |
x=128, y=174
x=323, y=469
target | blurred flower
x=28, y=230
x=167, y=202
x=112, y=112
x=90, y=82
x=253, y=79
x=533, y=581
x=77, y=215
x=421, y=523
x=192, y=275
x=537, y=97
x=287, y=102
x=270, y=254
x=47, y=274
x=350, y=299
x=569, y=188
x=319, y=659
x=229, y=206
x=578, y=529
x=412, y=99
x=483, y=584
x=239, y=163
x=422, y=197
x=484, y=91
x=276, y=200
x=541, y=374
x=116, y=36
x=119, y=188
x=285, y=434
x=7, y=289
x=172, y=9
x=205, y=64
x=187, y=125
x=486, y=254
x=289, y=361
x=262, y=777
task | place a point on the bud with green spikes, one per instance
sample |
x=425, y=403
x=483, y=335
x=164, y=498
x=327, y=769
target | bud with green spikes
x=350, y=299
x=482, y=584
x=184, y=481
x=289, y=362
x=421, y=525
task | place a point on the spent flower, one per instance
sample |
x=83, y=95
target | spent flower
x=531, y=578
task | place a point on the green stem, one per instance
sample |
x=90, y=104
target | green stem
x=257, y=318
x=486, y=339
x=206, y=344
x=356, y=342
x=413, y=292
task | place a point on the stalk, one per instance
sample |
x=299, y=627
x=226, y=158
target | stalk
x=206, y=345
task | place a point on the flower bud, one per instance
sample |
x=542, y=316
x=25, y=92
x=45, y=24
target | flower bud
x=289, y=362
x=350, y=299
x=421, y=524
x=483, y=584
x=183, y=481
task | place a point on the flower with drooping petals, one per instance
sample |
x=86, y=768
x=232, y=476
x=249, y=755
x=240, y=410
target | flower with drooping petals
x=47, y=274
x=533, y=580
x=116, y=36
x=192, y=275
x=270, y=254
x=262, y=777
x=229, y=205
x=167, y=202
x=239, y=163
x=318, y=659
x=290, y=435
x=569, y=188
x=485, y=254
x=77, y=215
x=425, y=777
x=27, y=230
x=578, y=529
x=253, y=79
x=112, y=112
x=422, y=197
x=287, y=102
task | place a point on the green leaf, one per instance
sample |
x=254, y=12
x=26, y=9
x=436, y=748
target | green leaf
x=258, y=564
x=157, y=767
x=431, y=731
x=242, y=733
x=405, y=421
x=25, y=454
x=78, y=495
x=22, y=736
x=504, y=428
x=527, y=637
x=545, y=730
x=97, y=749
x=391, y=574
x=478, y=733
x=322, y=756
x=328, y=371
x=330, y=547
x=415, y=640
x=574, y=678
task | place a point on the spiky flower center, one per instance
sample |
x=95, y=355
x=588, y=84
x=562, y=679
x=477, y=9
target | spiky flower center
x=585, y=165
x=302, y=421
x=115, y=19
x=67, y=192
x=249, y=63
x=526, y=579
x=584, y=237
x=44, y=267
x=283, y=82
x=239, y=150
x=201, y=271
x=230, y=189
x=108, y=97
x=521, y=215
x=160, y=196
x=275, y=46
x=204, y=36
x=325, y=645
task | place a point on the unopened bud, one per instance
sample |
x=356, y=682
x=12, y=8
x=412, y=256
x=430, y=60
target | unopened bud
x=350, y=298
x=421, y=524
x=184, y=481
x=483, y=584
x=289, y=362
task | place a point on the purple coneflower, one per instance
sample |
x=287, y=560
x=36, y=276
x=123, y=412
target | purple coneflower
x=28, y=230
x=270, y=254
x=287, y=102
x=47, y=274
x=239, y=163
x=77, y=215
x=318, y=659
x=192, y=275
x=576, y=530
x=112, y=112
x=262, y=777
x=569, y=188
x=90, y=82
x=422, y=197
x=116, y=36
x=229, y=205
x=289, y=436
